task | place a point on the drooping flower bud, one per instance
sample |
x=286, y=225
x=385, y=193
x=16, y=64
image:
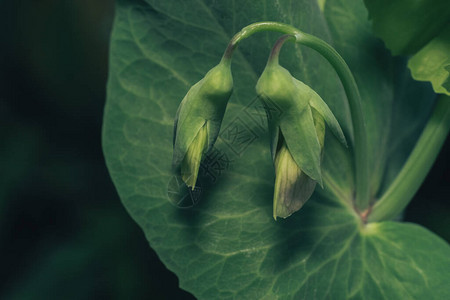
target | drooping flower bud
x=198, y=120
x=296, y=134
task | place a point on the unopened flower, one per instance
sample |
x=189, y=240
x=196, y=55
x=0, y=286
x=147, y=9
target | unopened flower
x=296, y=135
x=198, y=120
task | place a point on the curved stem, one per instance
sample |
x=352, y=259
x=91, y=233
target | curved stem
x=254, y=28
x=359, y=127
x=419, y=163
x=275, y=53
x=351, y=89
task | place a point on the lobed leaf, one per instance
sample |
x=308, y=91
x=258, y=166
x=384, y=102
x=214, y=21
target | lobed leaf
x=227, y=246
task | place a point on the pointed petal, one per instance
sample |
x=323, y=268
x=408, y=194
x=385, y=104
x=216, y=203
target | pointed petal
x=214, y=124
x=187, y=126
x=274, y=135
x=175, y=123
x=205, y=102
x=318, y=104
x=301, y=139
x=273, y=126
x=292, y=187
x=191, y=161
x=184, y=138
x=319, y=124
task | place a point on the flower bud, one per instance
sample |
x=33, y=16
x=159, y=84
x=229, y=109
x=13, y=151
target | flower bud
x=198, y=120
x=296, y=135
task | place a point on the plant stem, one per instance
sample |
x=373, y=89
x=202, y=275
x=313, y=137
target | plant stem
x=416, y=168
x=360, y=150
x=275, y=54
x=351, y=89
x=258, y=27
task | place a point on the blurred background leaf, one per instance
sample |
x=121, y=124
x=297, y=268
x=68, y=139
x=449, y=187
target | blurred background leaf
x=63, y=231
x=419, y=28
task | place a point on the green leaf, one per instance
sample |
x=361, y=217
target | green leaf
x=227, y=245
x=421, y=29
x=404, y=26
x=432, y=63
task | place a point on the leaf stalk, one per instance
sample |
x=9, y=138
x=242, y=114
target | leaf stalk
x=417, y=166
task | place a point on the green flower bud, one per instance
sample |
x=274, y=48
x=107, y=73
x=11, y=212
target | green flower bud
x=198, y=120
x=296, y=135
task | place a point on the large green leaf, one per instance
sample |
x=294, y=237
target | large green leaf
x=420, y=28
x=227, y=245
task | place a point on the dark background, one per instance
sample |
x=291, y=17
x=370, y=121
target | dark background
x=63, y=232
